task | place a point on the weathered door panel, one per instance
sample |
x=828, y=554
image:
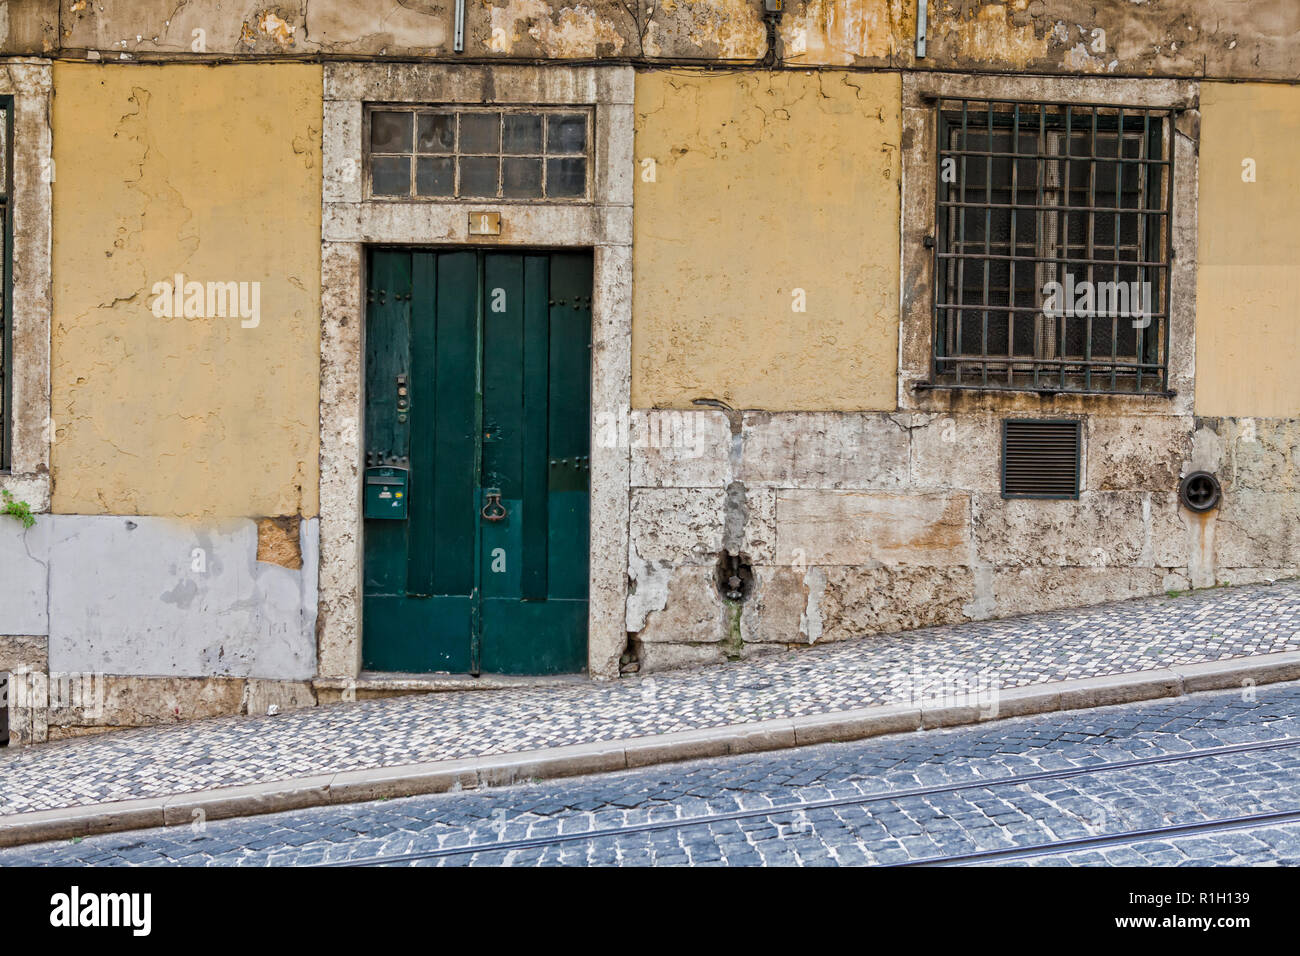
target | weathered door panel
x=419, y=594
x=387, y=359
x=569, y=430
x=496, y=350
x=536, y=402
x=456, y=403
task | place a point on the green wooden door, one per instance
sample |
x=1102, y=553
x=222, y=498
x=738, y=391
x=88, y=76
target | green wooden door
x=478, y=392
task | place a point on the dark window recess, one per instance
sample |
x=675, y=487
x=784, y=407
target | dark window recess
x=1040, y=458
x=1052, y=247
x=479, y=154
x=434, y=176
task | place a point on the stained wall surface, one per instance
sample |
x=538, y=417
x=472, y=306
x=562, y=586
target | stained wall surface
x=1229, y=38
x=765, y=248
x=212, y=173
x=1248, y=331
x=767, y=272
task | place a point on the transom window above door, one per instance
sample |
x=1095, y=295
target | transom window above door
x=443, y=153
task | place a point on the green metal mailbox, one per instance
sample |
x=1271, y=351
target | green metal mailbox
x=386, y=492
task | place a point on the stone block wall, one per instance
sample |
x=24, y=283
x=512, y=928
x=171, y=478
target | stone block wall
x=865, y=523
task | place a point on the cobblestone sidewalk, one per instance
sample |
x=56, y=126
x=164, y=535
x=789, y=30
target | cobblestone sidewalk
x=904, y=668
x=913, y=826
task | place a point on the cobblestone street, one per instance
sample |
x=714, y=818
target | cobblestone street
x=1002, y=789
x=973, y=659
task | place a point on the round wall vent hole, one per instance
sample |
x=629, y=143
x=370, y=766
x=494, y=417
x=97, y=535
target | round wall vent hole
x=1200, y=491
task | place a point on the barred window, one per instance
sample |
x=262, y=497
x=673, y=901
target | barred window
x=498, y=154
x=1052, y=247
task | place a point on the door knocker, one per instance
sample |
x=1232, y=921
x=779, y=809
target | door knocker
x=493, y=509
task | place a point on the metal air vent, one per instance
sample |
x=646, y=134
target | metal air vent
x=1040, y=458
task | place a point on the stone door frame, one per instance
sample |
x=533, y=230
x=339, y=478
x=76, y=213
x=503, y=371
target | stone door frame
x=350, y=222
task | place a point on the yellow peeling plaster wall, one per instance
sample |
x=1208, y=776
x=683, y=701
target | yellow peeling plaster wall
x=1248, y=289
x=765, y=184
x=213, y=172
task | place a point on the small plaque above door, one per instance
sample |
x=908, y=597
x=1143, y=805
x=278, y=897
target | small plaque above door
x=485, y=223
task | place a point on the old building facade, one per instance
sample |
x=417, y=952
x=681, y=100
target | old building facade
x=354, y=349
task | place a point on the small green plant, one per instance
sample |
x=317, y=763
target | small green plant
x=1173, y=594
x=19, y=509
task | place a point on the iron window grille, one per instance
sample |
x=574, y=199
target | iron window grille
x=1052, y=247
x=500, y=155
x=6, y=276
